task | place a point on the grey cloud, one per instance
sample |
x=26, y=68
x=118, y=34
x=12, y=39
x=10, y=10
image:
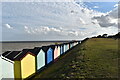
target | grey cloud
x=110, y=19
x=104, y=21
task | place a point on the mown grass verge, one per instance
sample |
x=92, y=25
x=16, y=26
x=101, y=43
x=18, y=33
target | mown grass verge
x=95, y=58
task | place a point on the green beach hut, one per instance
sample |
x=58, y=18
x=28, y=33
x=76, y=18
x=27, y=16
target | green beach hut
x=40, y=57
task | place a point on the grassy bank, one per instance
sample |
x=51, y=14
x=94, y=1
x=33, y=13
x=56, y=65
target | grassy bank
x=95, y=58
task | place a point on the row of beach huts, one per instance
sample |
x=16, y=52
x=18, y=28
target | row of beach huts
x=25, y=63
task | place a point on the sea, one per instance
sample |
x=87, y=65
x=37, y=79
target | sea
x=20, y=45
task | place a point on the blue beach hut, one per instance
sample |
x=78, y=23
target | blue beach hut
x=53, y=48
x=49, y=54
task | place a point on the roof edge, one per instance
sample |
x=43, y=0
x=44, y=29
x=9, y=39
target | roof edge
x=7, y=59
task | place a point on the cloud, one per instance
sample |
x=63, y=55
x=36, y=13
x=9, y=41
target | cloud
x=44, y=30
x=8, y=26
x=56, y=20
x=105, y=21
x=82, y=21
x=109, y=19
x=116, y=5
x=96, y=7
x=27, y=30
x=73, y=33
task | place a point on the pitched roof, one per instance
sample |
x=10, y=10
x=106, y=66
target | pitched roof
x=23, y=53
x=6, y=53
x=11, y=54
x=52, y=47
x=64, y=43
x=58, y=45
x=36, y=50
x=45, y=48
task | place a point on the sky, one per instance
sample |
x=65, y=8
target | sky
x=39, y=21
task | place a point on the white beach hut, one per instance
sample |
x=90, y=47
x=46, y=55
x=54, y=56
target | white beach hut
x=7, y=72
x=0, y=68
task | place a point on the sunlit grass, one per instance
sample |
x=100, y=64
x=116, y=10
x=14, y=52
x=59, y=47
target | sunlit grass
x=95, y=58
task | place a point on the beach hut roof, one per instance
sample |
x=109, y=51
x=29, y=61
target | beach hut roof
x=71, y=42
x=37, y=50
x=5, y=53
x=45, y=48
x=58, y=44
x=62, y=44
x=11, y=54
x=65, y=43
x=23, y=53
x=52, y=47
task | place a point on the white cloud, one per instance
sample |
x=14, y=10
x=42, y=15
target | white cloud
x=96, y=7
x=57, y=20
x=82, y=21
x=116, y=5
x=49, y=31
x=8, y=26
x=27, y=29
x=73, y=33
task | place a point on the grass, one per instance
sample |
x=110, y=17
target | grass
x=95, y=58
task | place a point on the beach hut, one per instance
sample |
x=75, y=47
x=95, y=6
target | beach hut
x=0, y=68
x=55, y=52
x=64, y=47
x=70, y=44
x=68, y=47
x=8, y=65
x=58, y=54
x=53, y=48
x=61, y=49
x=49, y=54
x=75, y=43
x=25, y=63
x=18, y=64
x=40, y=57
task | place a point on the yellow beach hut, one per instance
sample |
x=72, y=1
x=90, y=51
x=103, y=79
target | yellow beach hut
x=25, y=64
